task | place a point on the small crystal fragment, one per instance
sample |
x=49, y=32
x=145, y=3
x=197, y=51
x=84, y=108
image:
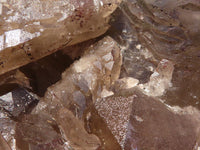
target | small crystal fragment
x=160, y=80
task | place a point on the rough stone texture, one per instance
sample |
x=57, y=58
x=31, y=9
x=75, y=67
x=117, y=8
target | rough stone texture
x=33, y=29
x=116, y=112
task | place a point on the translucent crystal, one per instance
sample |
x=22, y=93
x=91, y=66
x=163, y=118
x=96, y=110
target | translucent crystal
x=86, y=80
x=33, y=29
x=87, y=77
x=160, y=80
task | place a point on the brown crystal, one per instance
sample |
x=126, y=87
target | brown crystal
x=33, y=29
x=97, y=69
x=141, y=122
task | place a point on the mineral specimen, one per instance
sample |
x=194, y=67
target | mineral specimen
x=91, y=99
x=14, y=104
x=18, y=101
x=75, y=133
x=160, y=80
x=38, y=132
x=33, y=29
x=87, y=78
x=141, y=122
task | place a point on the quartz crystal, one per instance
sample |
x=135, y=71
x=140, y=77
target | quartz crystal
x=160, y=80
x=17, y=102
x=135, y=87
x=87, y=78
x=149, y=31
x=33, y=29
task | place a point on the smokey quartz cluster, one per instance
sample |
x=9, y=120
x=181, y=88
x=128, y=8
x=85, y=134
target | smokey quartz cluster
x=99, y=75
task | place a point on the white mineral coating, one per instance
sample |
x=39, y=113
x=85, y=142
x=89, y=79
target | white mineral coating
x=33, y=29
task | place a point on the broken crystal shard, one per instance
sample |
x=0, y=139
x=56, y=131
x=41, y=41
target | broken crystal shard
x=124, y=83
x=96, y=125
x=38, y=132
x=84, y=79
x=74, y=131
x=12, y=106
x=85, y=82
x=33, y=29
x=12, y=78
x=165, y=29
x=17, y=101
x=7, y=129
x=170, y=33
x=160, y=80
x=141, y=122
x=63, y=131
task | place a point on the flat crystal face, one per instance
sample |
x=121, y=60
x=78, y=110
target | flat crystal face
x=99, y=75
